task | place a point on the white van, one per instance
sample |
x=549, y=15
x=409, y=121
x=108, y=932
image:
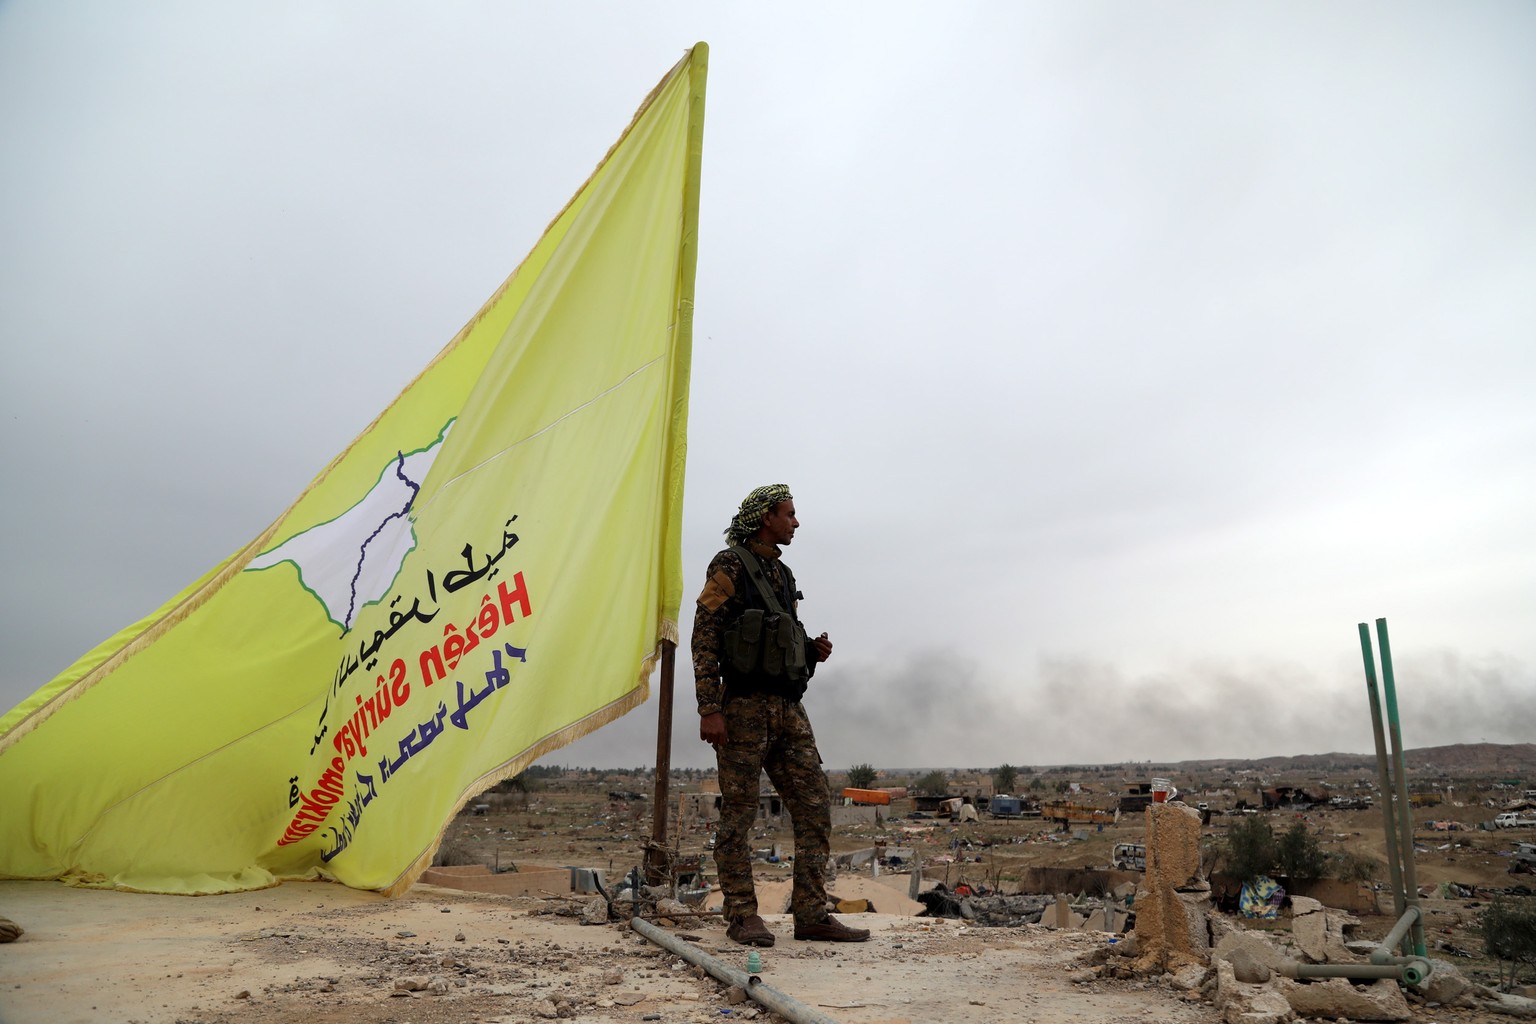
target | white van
x=1513, y=819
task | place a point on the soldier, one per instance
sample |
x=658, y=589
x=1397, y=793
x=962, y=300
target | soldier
x=751, y=664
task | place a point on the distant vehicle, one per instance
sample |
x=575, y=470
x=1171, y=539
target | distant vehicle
x=1004, y=806
x=1523, y=860
x=1514, y=819
x=1129, y=857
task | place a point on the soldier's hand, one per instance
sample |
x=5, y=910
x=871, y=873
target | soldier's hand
x=712, y=729
x=823, y=647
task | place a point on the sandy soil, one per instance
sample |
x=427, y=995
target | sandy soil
x=326, y=953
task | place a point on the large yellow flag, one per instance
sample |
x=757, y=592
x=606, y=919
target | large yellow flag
x=484, y=575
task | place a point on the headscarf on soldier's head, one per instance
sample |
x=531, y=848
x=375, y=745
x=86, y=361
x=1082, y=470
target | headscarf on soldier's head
x=753, y=507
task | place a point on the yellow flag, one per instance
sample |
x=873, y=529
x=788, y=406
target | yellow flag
x=484, y=575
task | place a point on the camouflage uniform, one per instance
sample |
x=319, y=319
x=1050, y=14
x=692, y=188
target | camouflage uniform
x=768, y=731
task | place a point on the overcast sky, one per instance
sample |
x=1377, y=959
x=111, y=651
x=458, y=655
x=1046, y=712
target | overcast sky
x=1121, y=357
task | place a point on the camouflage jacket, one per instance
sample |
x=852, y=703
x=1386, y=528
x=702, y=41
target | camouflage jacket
x=727, y=593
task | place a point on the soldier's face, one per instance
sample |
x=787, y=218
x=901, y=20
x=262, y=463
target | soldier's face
x=780, y=524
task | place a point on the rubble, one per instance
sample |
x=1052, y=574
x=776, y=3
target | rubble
x=1335, y=998
x=1243, y=1003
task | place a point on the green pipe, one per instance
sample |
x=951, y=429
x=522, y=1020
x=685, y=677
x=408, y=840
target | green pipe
x=1414, y=971
x=1405, y=831
x=1384, y=774
x=1382, y=954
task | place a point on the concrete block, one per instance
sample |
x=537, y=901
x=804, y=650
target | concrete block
x=1173, y=844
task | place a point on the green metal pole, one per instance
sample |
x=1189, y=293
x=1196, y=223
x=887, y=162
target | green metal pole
x=1384, y=774
x=1405, y=831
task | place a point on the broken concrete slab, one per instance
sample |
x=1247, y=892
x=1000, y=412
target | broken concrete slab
x=1060, y=915
x=1505, y=1003
x=1108, y=918
x=1320, y=932
x=1335, y=998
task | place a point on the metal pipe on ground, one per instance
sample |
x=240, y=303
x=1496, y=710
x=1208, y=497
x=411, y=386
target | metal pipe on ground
x=1413, y=972
x=784, y=1005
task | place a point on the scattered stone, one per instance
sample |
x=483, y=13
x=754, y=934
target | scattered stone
x=438, y=985
x=405, y=935
x=10, y=931
x=672, y=908
x=459, y=937
x=410, y=984
x=546, y=1009
x=613, y=976
x=1188, y=979
x=1242, y=1003
x=244, y=993
x=595, y=911
x=628, y=998
x=735, y=995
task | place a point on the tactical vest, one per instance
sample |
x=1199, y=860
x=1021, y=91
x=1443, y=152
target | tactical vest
x=764, y=648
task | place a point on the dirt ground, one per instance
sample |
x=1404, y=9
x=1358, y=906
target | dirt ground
x=326, y=953
x=322, y=952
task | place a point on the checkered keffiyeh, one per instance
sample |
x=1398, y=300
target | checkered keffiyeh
x=750, y=516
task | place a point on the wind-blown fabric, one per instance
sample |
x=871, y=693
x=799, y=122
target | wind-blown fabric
x=485, y=574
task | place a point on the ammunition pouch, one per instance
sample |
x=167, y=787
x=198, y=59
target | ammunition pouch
x=767, y=643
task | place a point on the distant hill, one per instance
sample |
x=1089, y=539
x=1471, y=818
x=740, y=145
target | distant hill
x=1515, y=760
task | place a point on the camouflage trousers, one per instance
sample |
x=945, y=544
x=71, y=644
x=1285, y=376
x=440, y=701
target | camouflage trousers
x=772, y=734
